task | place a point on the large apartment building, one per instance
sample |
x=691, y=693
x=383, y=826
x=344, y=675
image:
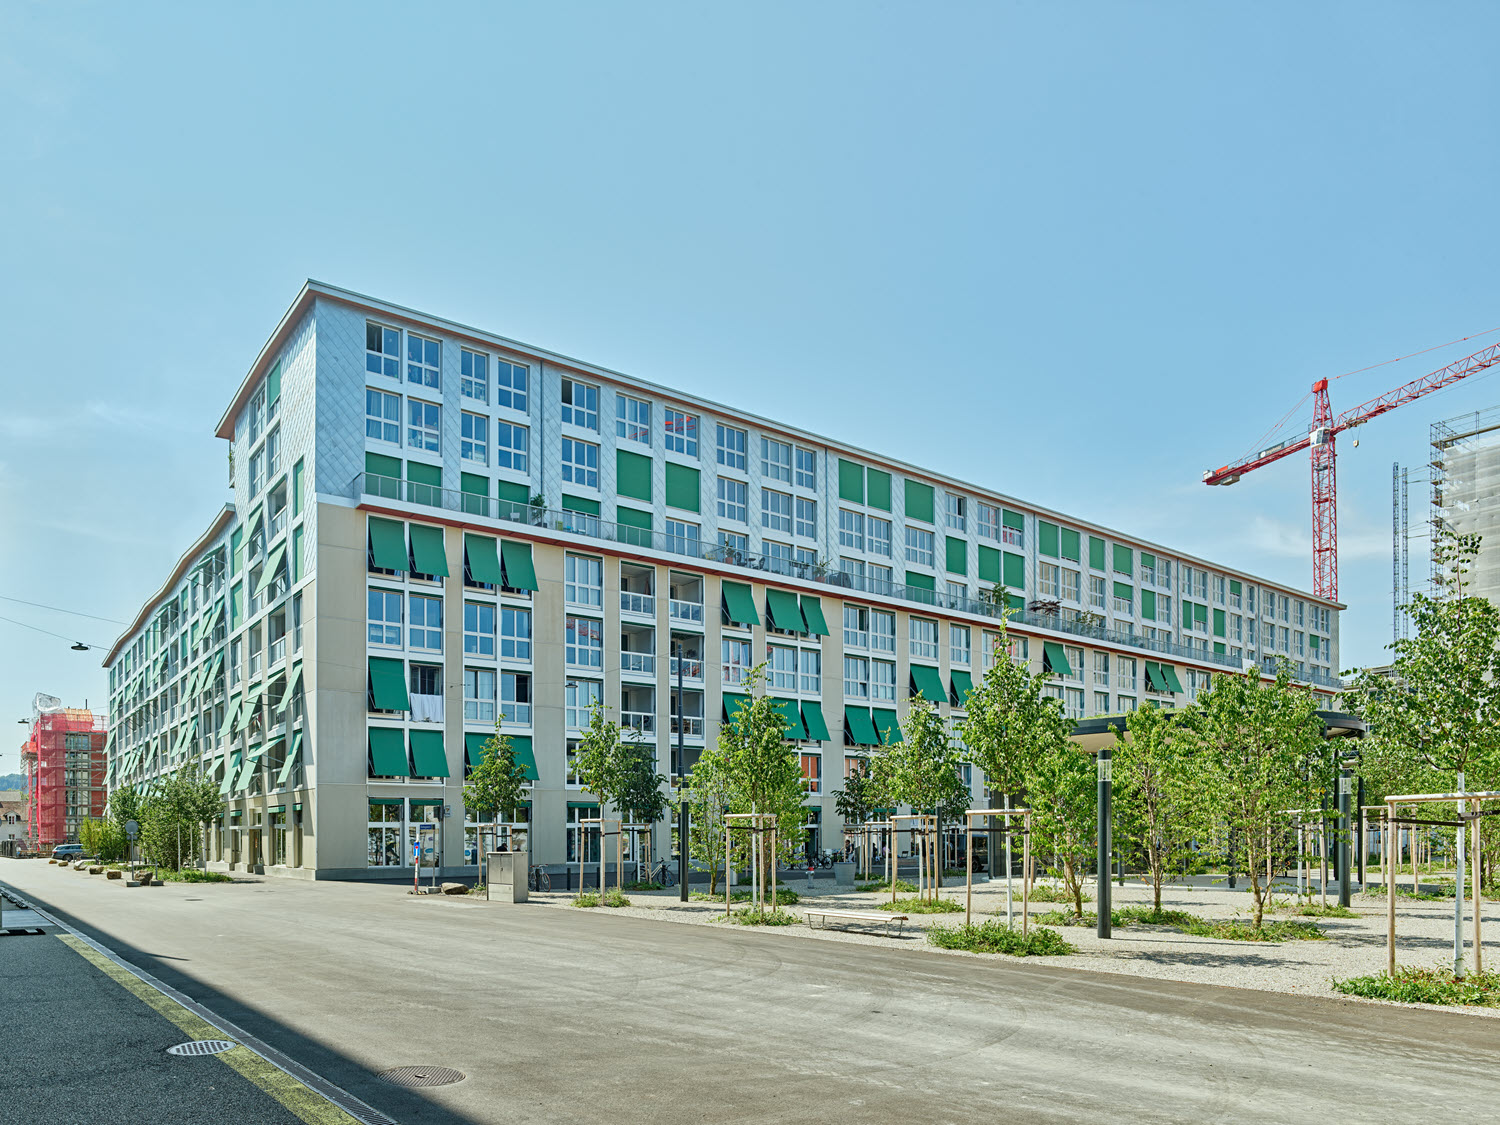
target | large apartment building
x=433, y=526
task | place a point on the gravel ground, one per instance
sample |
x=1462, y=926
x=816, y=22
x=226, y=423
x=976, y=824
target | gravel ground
x=1354, y=946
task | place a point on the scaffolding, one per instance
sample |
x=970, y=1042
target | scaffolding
x=1465, y=475
x=63, y=761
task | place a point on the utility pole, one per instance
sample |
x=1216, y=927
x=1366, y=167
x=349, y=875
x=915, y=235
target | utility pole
x=1103, y=856
x=1346, y=780
x=682, y=809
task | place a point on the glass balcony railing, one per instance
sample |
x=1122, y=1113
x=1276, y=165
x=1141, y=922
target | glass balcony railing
x=642, y=721
x=639, y=663
x=643, y=604
x=691, y=669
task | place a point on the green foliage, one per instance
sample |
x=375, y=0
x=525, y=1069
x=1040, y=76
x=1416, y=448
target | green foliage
x=103, y=839
x=915, y=905
x=993, y=936
x=586, y=899
x=171, y=817
x=1044, y=893
x=1008, y=721
x=1125, y=916
x=785, y=896
x=859, y=797
x=125, y=805
x=1426, y=986
x=1063, y=792
x=639, y=886
x=497, y=785
x=752, y=917
x=1314, y=910
x=614, y=898
x=191, y=875
x=1236, y=929
x=885, y=887
x=592, y=898
x=639, y=792
x=924, y=769
x=1154, y=807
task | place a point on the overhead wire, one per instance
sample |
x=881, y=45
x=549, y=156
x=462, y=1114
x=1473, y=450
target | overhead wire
x=59, y=609
x=49, y=632
x=1424, y=351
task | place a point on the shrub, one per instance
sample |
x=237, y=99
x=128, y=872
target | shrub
x=585, y=899
x=1425, y=986
x=614, y=898
x=191, y=875
x=885, y=888
x=1053, y=894
x=921, y=906
x=638, y=886
x=1236, y=929
x=785, y=896
x=1312, y=910
x=995, y=937
x=776, y=917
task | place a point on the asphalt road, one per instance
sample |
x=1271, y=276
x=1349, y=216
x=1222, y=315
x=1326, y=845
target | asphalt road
x=577, y=1016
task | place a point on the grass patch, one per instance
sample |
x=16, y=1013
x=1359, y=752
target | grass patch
x=1379, y=892
x=1237, y=929
x=1053, y=894
x=592, y=898
x=586, y=899
x=1147, y=916
x=645, y=887
x=777, y=917
x=921, y=906
x=192, y=875
x=885, y=888
x=1313, y=910
x=785, y=896
x=1425, y=986
x=994, y=937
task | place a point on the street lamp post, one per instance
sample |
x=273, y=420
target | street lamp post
x=682, y=808
x=1103, y=856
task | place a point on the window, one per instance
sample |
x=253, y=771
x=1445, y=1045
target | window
x=681, y=432
x=1075, y=663
x=781, y=673
x=923, y=638
x=958, y=644
x=733, y=500
x=1013, y=536
x=423, y=425
x=1237, y=627
x=878, y=536
x=1221, y=594
x=384, y=617
x=731, y=447
x=479, y=695
x=515, y=697
x=775, y=460
x=578, y=697
x=734, y=543
x=580, y=404
x=1236, y=601
x=780, y=555
x=1200, y=577
x=776, y=510
x=1049, y=584
x=476, y=438
x=384, y=847
x=583, y=580
x=633, y=419
x=1124, y=605
x=479, y=629
x=1300, y=605
x=515, y=633
x=806, y=557
x=422, y=361
x=856, y=626
x=474, y=375
x=382, y=416
x=580, y=462
x=382, y=350
x=882, y=631
x=1300, y=643
x=958, y=511
x=1101, y=702
x=1164, y=607
x=919, y=546
x=426, y=628
x=882, y=680
x=856, y=677
x=1096, y=592
x=510, y=385
x=1101, y=670
x=812, y=772
x=806, y=517
x=1071, y=585
x=851, y=529
x=1148, y=571
x=736, y=654
x=988, y=517
x=584, y=642
x=810, y=665
x=257, y=472
x=512, y=444
x=806, y=468
x=1073, y=702
x=1250, y=630
x=1125, y=674
x=273, y=465
x=682, y=536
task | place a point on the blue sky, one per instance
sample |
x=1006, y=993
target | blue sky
x=1079, y=252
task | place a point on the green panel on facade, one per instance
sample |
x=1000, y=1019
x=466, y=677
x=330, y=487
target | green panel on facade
x=634, y=526
x=851, y=482
x=484, y=559
x=739, y=603
x=957, y=556
x=812, y=720
x=812, y=613
x=1220, y=628
x=682, y=487
x=1057, y=659
x=887, y=726
x=388, y=684
x=1148, y=605
x=236, y=550
x=297, y=471
x=515, y=557
x=475, y=498
x=580, y=504
x=296, y=563
x=1014, y=520
x=236, y=606
x=1234, y=587
x=273, y=384
x=388, y=753
x=1124, y=560
x=247, y=771
x=231, y=717
x=428, y=758
x=1047, y=539
x=1125, y=590
x=383, y=476
x=1015, y=571
x=231, y=769
x=1148, y=560
x=733, y=701
x=961, y=683
x=1173, y=683
x=917, y=581
x=1070, y=544
x=989, y=565
x=782, y=608
x=928, y=683
x=1312, y=641
x=388, y=544
x=878, y=485
x=861, y=729
x=1155, y=679
x=1187, y=615
x=1219, y=647
x=633, y=475
x=1200, y=613
x=427, y=550
x=792, y=714
x=1015, y=602
x=424, y=483
x=251, y=705
x=920, y=502
x=511, y=500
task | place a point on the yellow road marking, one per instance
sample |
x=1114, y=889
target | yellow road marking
x=307, y=1104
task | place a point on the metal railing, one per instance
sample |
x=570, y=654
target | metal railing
x=637, y=603
x=641, y=663
x=685, y=611
x=643, y=721
x=691, y=669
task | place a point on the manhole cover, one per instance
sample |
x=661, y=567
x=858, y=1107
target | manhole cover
x=201, y=1047
x=421, y=1076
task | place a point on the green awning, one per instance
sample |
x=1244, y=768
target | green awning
x=732, y=703
x=1013, y=519
x=782, y=608
x=929, y=683
x=388, y=544
x=228, y=783
x=290, y=763
x=1154, y=678
x=247, y=771
x=386, y=801
x=1235, y=588
x=428, y=758
x=962, y=685
x=190, y=689
x=793, y=715
x=1057, y=658
x=251, y=704
x=273, y=563
x=588, y=805
x=1125, y=591
x=1173, y=683
x=812, y=613
x=259, y=752
x=739, y=603
x=812, y=719
x=474, y=749
x=861, y=729
x=886, y=725
x=484, y=559
x=427, y=550
x=519, y=573
x=580, y=504
x=388, y=684
x=388, y=753
x=524, y=754
x=274, y=809
x=231, y=717
x=291, y=687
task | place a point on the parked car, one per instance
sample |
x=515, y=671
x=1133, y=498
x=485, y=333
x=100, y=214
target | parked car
x=68, y=851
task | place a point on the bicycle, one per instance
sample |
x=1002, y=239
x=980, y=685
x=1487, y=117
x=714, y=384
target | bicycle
x=538, y=879
x=661, y=875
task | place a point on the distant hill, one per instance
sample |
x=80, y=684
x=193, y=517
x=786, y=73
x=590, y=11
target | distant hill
x=10, y=780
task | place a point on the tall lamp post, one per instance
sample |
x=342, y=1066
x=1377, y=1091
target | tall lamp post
x=682, y=808
x=1104, y=845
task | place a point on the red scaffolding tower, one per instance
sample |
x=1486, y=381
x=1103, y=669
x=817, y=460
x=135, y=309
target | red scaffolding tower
x=64, y=763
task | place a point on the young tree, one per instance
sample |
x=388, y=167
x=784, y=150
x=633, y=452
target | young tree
x=597, y=760
x=923, y=770
x=640, y=794
x=705, y=791
x=172, y=816
x=857, y=801
x=1257, y=752
x=1062, y=791
x=1008, y=721
x=1153, y=807
x=763, y=769
x=497, y=784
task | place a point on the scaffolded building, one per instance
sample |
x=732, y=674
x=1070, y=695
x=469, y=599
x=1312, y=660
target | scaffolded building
x=64, y=762
x=1466, y=490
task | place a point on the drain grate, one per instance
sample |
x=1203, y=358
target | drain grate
x=197, y=1047
x=421, y=1076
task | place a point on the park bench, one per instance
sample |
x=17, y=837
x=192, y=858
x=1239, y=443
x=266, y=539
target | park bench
x=856, y=918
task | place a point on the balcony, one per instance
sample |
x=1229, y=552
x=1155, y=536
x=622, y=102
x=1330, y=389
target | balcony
x=692, y=726
x=642, y=604
x=638, y=663
x=643, y=722
x=691, y=669
x=691, y=612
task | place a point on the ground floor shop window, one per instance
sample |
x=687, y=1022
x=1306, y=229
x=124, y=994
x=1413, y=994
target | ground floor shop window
x=385, y=832
x=278, y=838
x=482, y=837
x=583, y=840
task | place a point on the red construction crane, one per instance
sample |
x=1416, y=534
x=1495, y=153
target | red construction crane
x=1320, y=438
